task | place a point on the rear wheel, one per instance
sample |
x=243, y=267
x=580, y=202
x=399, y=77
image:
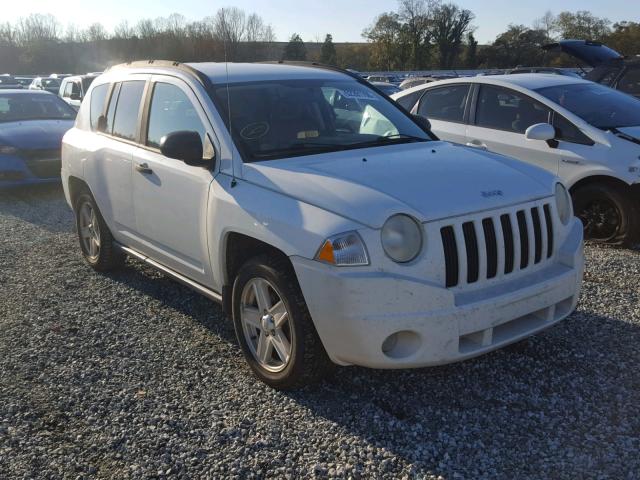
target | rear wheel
x=96, y=242
x=606, y=214
x=274, y=327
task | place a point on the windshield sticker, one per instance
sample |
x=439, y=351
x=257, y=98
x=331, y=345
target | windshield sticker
x=308, y=134
x=255, y=131
x=358, y=94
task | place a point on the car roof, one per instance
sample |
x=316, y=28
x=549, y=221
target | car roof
x=23, y=91
x=246, y=72
x=529, y=81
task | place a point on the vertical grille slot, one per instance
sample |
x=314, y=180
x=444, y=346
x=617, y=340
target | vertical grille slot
x=549, y=222
x=450, y=255
x=524, y=239
x=471, y=244
x=537, y=234
x=491, y=244
x=507, y=234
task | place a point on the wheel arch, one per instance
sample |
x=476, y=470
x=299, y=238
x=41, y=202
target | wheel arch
x=76, y=187
x=238, y=248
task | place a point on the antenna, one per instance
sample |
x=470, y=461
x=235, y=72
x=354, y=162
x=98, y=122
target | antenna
x=226, y=67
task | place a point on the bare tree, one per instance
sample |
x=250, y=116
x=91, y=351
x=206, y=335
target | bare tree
x=229, y=26
x=37, y=28
x=416, y=16
x=546, y=23
x=123, y=31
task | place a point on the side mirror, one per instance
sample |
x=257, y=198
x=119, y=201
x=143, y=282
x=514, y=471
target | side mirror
x=422, y=121
x=185, y=146
x=542, y=131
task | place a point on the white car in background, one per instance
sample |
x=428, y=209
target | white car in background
x=73, y=89
x=327, y=239
x=586, y=133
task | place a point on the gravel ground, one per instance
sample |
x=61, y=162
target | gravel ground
x=131, y=375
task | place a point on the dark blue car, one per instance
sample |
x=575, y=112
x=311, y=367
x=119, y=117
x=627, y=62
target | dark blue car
x=32, y=124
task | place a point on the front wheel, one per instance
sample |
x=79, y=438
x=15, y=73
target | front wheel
x=274, y=327
x=606, y=214
x=96, y=242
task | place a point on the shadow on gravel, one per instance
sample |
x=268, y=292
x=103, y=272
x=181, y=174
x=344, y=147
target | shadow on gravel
x=40, y=205
x=549, y=394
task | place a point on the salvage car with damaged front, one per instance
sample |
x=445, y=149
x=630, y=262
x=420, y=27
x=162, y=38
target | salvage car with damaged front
x=330, y=235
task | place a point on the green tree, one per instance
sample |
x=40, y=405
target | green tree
x=519, y=45
x=471, y=53
x=295, y=49
x=328, y=53
x=450, y=23
x=388, y=44
x=582, y=25
x=625, y=38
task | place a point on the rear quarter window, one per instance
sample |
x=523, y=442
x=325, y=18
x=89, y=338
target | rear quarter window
x=98, y=97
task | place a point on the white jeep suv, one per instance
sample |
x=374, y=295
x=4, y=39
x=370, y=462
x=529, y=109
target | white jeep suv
x=331, y=233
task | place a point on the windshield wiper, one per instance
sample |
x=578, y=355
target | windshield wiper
x=390, y=139
x=299, y=149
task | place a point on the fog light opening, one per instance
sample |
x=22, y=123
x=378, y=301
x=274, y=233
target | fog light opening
x=401, y=344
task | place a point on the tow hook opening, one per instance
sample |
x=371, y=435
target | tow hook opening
x=401, y=344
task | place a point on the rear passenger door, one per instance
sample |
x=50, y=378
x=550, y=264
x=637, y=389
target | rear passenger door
x=115, y=114
x=170, y=197
x=500, y=121
x=446, y=108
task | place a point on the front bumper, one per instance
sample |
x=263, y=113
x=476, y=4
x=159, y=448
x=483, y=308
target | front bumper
x=14, y=172
x=355, y=312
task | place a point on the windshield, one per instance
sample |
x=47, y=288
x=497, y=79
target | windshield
x=288, y=118
x=38, y=106
x=596, y=104
x=51, y=82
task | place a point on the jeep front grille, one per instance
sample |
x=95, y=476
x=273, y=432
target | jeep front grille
x=490, y=246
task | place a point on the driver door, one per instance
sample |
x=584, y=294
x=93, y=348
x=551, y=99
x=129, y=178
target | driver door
x=170, y=197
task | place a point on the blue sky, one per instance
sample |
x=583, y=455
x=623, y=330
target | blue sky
x=345, y=19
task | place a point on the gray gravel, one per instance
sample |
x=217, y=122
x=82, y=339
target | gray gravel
x=133, y=375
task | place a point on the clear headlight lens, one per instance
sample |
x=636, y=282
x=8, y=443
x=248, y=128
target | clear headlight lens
x=401, y=238
x=563, y=204
x=343, y=250
x=7, y=150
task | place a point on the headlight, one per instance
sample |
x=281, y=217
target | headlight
x=7, y=150
x=401, y=238
x=563, y=204
x=343, y=250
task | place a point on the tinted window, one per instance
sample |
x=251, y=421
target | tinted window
x=98, y=96
x=171, y=111
x=630, y=82
x=445, y=103
x=568, y=132
x=288, y=118
x=125, y=123
x=68, y=88
x=409, y=101
x=503, y=109
x=598, y=105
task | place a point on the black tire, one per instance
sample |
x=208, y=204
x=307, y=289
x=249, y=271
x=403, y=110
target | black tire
x=109, y=256
x=607, y=214
x=308, y=362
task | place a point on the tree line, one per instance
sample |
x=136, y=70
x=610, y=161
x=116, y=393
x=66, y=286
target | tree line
x=418, y=35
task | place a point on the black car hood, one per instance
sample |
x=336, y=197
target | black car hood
x=591, y=53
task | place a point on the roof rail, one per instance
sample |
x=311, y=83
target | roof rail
x=151, y=64
x=322, y=66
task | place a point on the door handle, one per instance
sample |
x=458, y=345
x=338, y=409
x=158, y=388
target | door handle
x=143, y=168
x=477, y=144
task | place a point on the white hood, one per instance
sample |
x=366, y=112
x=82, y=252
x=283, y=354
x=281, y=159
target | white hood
x=429, y=181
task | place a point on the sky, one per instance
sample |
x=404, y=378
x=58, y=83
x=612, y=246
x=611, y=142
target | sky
x=344, y=19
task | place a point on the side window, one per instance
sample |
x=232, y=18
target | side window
x=630, y=82
x=409, y=101
x=75, y=88
x=503, y=109
x=568, y=132
x=171, y=111
x=98, y=96
x=68, y=88
x=445, y=103
x=125, y=122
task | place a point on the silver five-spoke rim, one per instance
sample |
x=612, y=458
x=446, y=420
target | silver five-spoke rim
x=266, y=324
x=89, y=231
